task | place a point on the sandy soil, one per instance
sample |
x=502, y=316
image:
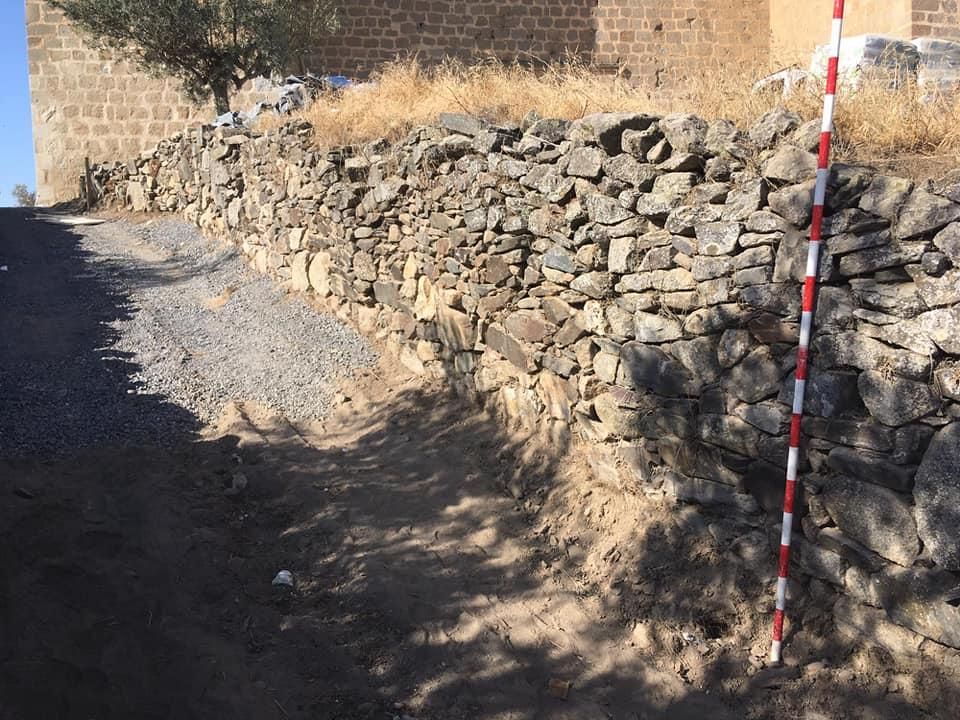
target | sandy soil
x=445, y=568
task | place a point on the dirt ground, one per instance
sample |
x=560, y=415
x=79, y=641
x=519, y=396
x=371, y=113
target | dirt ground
x=445, y=568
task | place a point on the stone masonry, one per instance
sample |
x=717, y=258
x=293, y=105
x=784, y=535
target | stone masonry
x=939, y=18
x=88, y=103
x=631, y=284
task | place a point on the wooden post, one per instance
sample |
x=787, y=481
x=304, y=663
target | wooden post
x=88, y=183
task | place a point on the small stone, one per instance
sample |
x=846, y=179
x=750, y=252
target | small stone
x=734, y=346
x=597, y=285
x=790, y=164
x=718, y=238
x=948, y=240
x=586, y=162
x=773, y=126
x=794, y=203
x=685, y=133
x=639, y=142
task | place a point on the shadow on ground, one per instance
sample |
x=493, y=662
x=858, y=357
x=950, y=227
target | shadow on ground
x=136, y=581
x=62, y=387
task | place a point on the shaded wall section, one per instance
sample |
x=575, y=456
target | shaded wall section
x=374, y=32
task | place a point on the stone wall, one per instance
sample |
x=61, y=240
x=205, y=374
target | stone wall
x=375, y=32
x=633, y=284
x=939, y=18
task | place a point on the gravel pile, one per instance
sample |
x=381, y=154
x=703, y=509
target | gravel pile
x=206, y=329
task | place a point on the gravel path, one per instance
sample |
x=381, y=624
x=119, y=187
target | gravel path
x=209, y=329
x=122, y=333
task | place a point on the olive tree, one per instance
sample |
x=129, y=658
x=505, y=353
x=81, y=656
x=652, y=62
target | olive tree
x=23, y=196
x=211, y=46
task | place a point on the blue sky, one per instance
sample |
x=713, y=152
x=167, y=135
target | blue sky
x=16, y=134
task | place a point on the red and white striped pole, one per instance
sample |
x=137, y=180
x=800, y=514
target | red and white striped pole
x=806, y=329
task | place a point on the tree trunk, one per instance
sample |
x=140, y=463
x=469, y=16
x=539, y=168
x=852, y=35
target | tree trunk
x=221, y=96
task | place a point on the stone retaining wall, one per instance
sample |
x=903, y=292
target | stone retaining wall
x=633, y=283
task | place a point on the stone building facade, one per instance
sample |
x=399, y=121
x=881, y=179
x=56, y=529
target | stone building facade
x=90, y=103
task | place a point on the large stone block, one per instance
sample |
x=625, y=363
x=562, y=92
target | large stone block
x=937, y=497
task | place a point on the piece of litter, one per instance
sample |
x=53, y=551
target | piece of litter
x=284, y=578
x=4, y=268
x=559, y=688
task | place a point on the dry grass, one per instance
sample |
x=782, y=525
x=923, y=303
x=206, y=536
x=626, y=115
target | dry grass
x=874, y=124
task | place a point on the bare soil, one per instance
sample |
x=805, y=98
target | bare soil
x=445, y=567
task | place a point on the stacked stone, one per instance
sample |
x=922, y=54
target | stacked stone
x=635, y=281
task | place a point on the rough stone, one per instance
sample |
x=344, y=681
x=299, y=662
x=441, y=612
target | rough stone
x=873, y=516
x=772, y=126
x=871, y=467
x=699, y=356
x=653, y=328
x=685, y=133
x=948, y=240
x=853, y=349
x=605, y=210
x=937, y=497
x=606, y=129
x=498, y=339
x=645, y=367
x=886, y=196
x=790, y=164
x=619, y=421
x=757, y=377
x=585, y=162
x=597, y=285
x=828, y=394
x=456, y=329
x=924, y=213
x=896, y=401
x=794, y=203
x=734, y=346
x=624, y=255
x=529, y=325
x=717, y=238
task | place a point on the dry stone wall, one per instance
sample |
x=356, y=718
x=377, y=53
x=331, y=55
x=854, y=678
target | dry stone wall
x=633, y=283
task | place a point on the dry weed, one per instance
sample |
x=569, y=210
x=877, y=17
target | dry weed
x=894, y=128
